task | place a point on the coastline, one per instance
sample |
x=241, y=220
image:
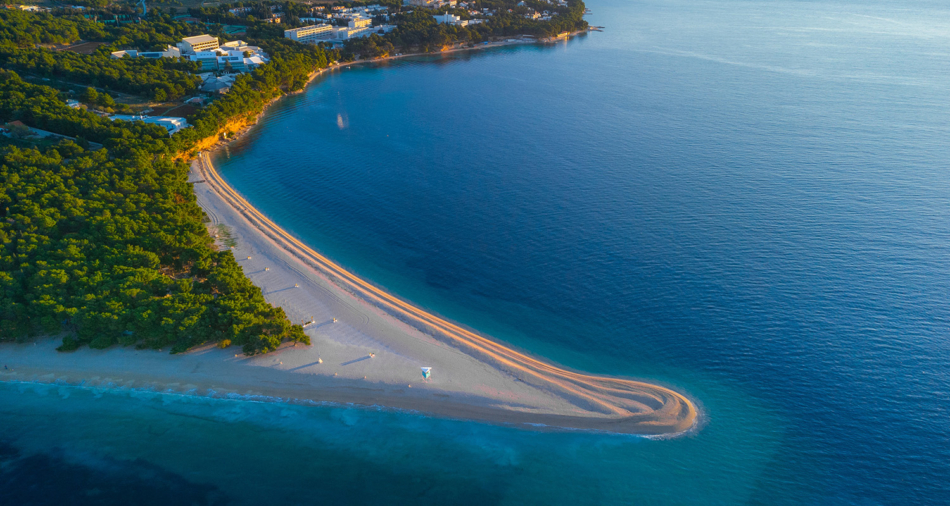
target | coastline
x=243, y=127
x=372, y=356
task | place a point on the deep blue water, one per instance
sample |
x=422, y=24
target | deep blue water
x=746, y=200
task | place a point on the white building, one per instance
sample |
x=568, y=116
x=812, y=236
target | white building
x=236, y=55
x=169, y=52
x=359, y=22
x=447, y=19
x=345, y=32
x=198, y=43
x=240, y=45
x=131, y=53
x=311, y=34
x=173, y=125
x=207, y=59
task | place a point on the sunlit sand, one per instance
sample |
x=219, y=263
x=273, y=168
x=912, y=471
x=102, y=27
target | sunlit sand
x=622, y=404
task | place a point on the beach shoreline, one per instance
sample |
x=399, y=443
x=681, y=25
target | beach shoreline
x=368, y=347
x=592, y=402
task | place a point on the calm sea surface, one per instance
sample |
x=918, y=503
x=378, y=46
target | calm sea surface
x=747, y=200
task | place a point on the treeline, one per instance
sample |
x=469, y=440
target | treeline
x=109, y=246
x=90, y=3
x=27, y=29
x=92, y=97
x=42, y=107
x=154, y=34
x=157, y=78
x=290, y=12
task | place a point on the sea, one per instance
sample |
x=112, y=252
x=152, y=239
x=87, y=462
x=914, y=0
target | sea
x=746, y=200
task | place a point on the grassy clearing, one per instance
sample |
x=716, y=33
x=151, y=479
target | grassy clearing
x=222, y=233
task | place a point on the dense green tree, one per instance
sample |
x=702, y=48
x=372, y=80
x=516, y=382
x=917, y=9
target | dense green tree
x=109, y=246
x=143, y=76
x=105, y=100
x=89, y=95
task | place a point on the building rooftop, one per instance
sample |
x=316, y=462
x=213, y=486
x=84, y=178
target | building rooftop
x=171, y=124
x=198, y=39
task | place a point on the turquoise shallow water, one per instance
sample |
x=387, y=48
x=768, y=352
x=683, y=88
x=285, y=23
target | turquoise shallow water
x=745, y=200
x=214, y=451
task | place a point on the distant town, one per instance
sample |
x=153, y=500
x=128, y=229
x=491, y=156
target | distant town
x=163, y=81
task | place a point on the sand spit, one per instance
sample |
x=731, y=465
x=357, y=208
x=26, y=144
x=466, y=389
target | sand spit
x=522, y=388
x=368, y=349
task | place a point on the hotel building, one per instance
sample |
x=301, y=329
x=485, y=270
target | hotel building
x=311, y=34
x=198, y=43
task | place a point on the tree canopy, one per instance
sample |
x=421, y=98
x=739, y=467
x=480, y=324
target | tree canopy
x=109, y=246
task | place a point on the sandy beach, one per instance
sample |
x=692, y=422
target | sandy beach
x=368, y=348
